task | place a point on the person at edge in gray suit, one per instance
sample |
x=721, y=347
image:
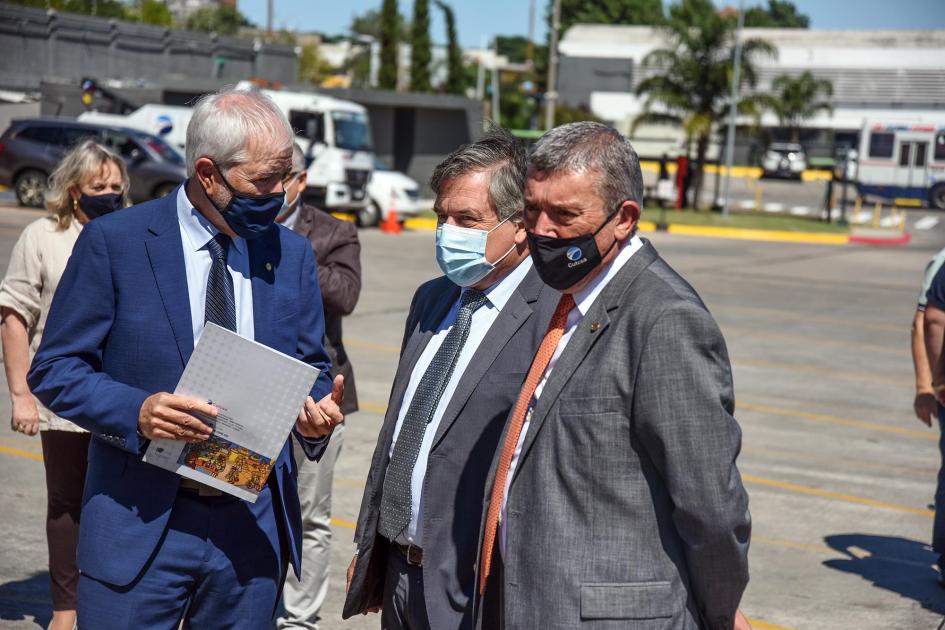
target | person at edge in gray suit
x=469, y=339
x=614, y=500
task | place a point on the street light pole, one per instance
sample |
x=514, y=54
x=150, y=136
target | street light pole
x=551, y=93
x=730, y=139
x=496, y=114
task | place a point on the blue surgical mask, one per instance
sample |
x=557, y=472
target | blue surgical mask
x=461, y=253
x=249, y=215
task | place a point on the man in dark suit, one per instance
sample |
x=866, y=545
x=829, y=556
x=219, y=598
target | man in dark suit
x=468, y=341
x=338, y=257
x=614, y=500
x=132, y=303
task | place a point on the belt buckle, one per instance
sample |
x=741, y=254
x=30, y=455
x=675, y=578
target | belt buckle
x=414, y=555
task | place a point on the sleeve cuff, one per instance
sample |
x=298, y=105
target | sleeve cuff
x=312, y=447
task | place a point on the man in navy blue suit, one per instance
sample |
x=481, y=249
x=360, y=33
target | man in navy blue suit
x=141, y=284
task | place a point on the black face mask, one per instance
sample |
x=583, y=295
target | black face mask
x=563, y=262
x=97, y=205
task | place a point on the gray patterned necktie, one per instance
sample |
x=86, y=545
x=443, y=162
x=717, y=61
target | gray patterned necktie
x=220, y=305
x=396, y=500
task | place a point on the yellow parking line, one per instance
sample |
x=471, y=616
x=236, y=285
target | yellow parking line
x=764, y=625
x=343, y=523
x=18, y=452
x=847, y=422
x=835, y=496
x=372, y=407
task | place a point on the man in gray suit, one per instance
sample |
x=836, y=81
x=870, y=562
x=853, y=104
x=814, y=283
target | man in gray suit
x=469, y=339
x=614, y=501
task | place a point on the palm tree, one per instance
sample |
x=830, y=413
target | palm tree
x=689, y=80
x=796, y=99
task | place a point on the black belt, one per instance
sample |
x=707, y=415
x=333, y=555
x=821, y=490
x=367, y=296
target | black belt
x=411, y=553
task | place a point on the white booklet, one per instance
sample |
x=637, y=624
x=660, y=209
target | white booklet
x=258, y=392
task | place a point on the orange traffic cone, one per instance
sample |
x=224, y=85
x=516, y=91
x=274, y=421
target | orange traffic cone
x=391, y=225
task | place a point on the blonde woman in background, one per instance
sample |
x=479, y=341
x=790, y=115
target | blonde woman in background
x=90, y=181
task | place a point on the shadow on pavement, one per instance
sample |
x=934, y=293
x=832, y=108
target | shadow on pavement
x=27, y=598
x=895, y=564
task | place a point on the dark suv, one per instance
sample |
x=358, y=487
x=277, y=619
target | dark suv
x=32, y=147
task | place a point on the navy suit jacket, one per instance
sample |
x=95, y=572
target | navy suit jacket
x=119, y=330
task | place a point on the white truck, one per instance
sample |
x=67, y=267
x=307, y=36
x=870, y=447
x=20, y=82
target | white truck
x=334, y=134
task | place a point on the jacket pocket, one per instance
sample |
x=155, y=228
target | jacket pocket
x=628, y=600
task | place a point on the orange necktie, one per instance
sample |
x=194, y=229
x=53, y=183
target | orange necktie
x=545, y=351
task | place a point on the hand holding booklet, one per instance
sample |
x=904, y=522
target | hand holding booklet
x=258, y=392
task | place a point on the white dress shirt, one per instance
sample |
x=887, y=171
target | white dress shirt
x=583, y=300
x=196, y=232
x=498, y=296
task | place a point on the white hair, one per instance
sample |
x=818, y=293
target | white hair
x=224, y=123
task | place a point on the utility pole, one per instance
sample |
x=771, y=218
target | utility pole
x=730, y=139
x=530, y=51
x=481, y=71
x=269, y=19
x=496, y=113
x=551, y=95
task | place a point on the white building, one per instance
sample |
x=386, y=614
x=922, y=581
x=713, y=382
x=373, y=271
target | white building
x=875, y=74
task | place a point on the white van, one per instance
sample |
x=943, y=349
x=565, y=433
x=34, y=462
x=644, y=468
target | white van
x=335, y=135
x=903, y=162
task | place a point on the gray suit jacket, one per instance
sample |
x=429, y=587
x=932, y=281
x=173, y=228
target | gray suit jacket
x=465, y=442
x=626, y=509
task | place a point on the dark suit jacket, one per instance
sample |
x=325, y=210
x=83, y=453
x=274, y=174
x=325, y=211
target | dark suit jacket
x=462, y=450
x=119, y=330
x=338, y=254
x=626, y=509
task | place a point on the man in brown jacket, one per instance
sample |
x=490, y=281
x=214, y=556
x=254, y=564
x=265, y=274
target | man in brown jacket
x=338, y=256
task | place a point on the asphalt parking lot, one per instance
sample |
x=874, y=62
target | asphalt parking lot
x=839, y=472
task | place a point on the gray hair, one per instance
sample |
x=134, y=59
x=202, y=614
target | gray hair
x=77, y=167
x=223, y=124
x=591, y=147
x=298, y=158
x=497, y=152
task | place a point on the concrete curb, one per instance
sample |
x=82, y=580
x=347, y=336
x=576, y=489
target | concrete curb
x=742, y=234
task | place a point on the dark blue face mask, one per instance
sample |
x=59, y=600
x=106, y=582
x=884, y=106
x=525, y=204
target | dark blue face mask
x=96, y=205
x=249, y=215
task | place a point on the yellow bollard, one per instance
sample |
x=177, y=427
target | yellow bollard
x=877, y=213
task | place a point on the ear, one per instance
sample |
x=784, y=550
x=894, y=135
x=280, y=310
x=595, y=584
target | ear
x=521, y=238
x=627, y=218
x=203, y=172
x=74, y=193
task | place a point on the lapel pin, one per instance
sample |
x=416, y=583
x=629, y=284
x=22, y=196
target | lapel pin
x=268, y=266
x=595, y=326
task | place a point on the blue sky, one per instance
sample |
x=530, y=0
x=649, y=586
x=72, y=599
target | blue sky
x=478, y=18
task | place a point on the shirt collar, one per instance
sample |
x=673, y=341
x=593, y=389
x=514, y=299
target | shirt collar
x=196, y=229
x=500, y=292
x=584, y=298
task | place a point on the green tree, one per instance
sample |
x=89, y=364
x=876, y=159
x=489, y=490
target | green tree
x=221, y=19
x=98, y=8
x=688, y=81
x=390, y=27
x=644, y=12
x=797, y=99
x=779, y=13
x=420, y=54
x=152, y=12
x=370, y=23
x=312, y=67
x=455, y=77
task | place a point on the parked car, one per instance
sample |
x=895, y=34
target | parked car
x=783, y=159
x=31, y=148
x=388, y=189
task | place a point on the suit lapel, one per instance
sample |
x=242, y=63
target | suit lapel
x=166, y=255
x=511, y=318
x=582, y=341
x=262, y=267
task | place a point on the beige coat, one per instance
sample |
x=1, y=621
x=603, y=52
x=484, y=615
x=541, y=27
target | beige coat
x=36, y=264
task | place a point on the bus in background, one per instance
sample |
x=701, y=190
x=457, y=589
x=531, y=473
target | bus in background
x=334, y=134
x=903, y=162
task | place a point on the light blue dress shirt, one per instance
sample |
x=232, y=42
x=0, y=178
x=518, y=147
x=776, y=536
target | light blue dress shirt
x=196, y=232
x=498, y=296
